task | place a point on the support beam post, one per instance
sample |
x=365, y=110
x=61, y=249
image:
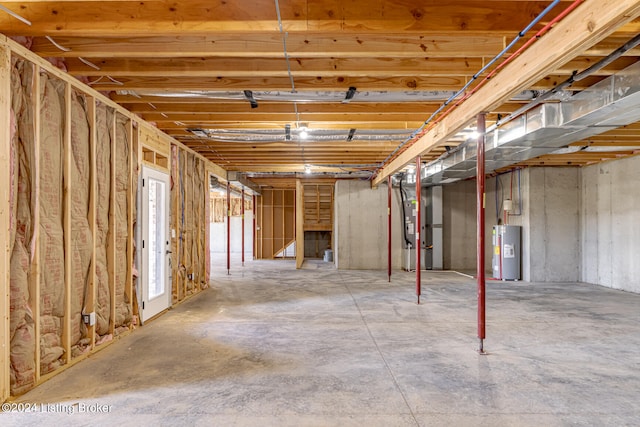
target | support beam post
x=242, y=213
x=228, y=227
x=480, y=205
x=389, y=228
x=5, y=218
x=418, y=213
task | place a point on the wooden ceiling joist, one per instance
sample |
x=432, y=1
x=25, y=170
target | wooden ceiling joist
x=200, y=17
x=586, y=25
x=184, y=50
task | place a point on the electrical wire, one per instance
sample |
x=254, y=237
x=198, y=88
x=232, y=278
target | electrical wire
x=15, y=15
x=284, y=46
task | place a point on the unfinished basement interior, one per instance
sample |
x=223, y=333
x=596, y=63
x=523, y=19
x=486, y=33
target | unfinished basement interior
x=320, y=213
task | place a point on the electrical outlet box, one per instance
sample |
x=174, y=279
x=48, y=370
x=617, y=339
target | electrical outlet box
x=190, y=276
x=89, y=318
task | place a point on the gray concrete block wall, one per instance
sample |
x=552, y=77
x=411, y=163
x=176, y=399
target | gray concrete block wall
x=553, y=249
x=459, y=224
x=360, y=226
x=610, y=224
x=218, y=235
x=549, y=220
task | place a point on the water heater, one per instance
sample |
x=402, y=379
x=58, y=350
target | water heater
x=506, y=252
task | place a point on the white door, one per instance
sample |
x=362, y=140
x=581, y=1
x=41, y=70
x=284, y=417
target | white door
x=156, y=249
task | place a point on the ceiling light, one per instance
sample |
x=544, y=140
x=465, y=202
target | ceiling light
x=307, y=169
x=303, y=133
x=473, y=136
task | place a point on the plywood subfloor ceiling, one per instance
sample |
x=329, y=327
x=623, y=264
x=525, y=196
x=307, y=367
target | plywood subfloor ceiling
x=186, y=66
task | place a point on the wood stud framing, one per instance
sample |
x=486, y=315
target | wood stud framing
x=133, y=127
x=5, y=215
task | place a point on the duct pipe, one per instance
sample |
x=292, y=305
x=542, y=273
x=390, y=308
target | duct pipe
x=480, y=199
x=389, y=187
x=228, y=228
x=576, y=77
x=242, y=210
x=418, y=212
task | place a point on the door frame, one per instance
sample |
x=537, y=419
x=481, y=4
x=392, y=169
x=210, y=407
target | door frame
x=162, y=302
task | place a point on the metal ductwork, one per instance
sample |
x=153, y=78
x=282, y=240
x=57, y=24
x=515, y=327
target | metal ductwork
x=546, y=128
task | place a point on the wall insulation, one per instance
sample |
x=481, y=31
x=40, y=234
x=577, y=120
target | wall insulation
x=189, y=199
x=73, y=165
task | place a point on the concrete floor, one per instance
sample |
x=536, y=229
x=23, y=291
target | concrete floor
x=269, y=345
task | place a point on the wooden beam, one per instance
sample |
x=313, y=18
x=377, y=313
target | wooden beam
x=171, y=105
x=131, y=199
x=181, y=131
x=587, y=24
x=202, y=120
x=36, y=267
x=67, y=155
x=255, y=44
x=338, y=83
x=275, y=67
x=5, y=220
x=90, y=299
x=112, y=235
x=199, y=17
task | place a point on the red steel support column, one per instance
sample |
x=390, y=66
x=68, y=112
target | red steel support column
x=228, y=228
x=255, y=210
x=480, y=202
x=389, y=226
x=418, y=193
x=242, y=212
